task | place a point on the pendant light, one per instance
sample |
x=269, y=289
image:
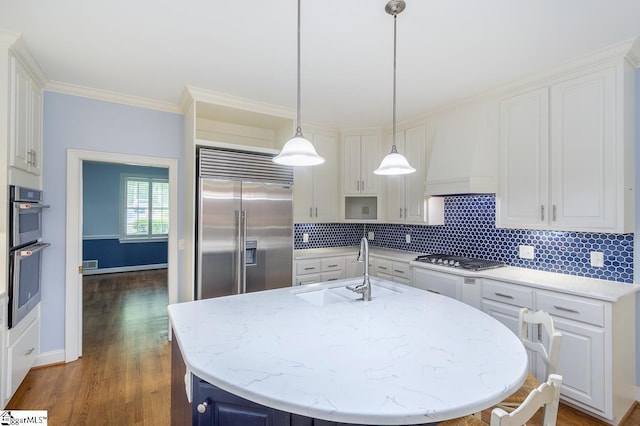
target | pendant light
x=298, y=151
x=394, y=163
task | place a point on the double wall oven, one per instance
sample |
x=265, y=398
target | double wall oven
x=25, y=251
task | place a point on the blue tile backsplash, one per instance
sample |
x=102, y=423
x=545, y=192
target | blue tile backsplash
x=470, y=230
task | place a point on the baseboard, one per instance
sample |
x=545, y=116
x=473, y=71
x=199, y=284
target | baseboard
x=49, y=358
x=124, y=269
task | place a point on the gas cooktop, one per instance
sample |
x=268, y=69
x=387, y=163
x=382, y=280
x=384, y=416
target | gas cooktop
x=467, y=263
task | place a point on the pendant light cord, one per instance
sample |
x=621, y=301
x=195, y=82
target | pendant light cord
x=393, y=147
x=298, y=124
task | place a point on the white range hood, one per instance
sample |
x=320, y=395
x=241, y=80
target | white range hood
x=464, y=157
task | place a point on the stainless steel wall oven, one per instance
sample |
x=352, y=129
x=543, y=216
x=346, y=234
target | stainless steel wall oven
x=25, y=251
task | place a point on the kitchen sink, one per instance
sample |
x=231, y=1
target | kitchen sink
x=340, y=294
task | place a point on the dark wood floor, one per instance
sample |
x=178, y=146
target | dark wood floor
x=124, y=374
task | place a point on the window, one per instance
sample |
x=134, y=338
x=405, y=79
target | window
x=145, y=208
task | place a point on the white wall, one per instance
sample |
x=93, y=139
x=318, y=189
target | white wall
x=72, y=122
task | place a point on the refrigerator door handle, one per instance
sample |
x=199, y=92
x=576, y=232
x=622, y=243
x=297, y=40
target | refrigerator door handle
x=243, y=258
x=239, y=262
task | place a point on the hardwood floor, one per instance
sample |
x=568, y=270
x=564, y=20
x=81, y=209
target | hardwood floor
x=124, y=375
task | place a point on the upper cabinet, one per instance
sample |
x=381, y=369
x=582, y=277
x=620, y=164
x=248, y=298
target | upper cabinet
x=464, y=158
x=360, y=157
x=316, y=189
x=25, y=122
x=405, y=195
x=566, y=153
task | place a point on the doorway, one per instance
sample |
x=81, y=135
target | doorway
x=73, y=278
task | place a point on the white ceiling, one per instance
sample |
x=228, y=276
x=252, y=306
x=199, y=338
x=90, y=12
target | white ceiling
x=447, y=49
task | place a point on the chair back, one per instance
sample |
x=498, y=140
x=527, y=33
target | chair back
x=546, y=396
x=549, y=353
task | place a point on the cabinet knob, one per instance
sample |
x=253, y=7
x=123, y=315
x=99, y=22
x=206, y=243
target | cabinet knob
x=202, y=407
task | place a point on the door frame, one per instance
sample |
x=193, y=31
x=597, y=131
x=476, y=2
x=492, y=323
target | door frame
x=73, y=279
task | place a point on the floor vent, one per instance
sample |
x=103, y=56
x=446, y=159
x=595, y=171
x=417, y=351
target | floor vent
x=89, y=264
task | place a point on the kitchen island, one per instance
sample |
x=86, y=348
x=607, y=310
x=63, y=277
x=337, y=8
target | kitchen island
x=315, y=352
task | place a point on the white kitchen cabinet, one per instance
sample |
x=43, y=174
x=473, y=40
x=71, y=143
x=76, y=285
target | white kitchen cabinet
x=449, y=285
x=565, y=153
x=23, y=348
x=3, y=352
x=405, y=199
x=360, y=157
x=25, y=123
x=310, y=271
x=392, y=270
x=596, y=352
x=316, y=189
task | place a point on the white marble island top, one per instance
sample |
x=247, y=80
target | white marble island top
x=406, y=357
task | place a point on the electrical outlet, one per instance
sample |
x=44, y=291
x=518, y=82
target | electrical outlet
x=407, y=238
x=305, y=238
x=597, y=259
x=370, y=236
x=526, y=252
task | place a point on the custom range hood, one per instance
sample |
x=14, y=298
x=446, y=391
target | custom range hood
x=464, y=154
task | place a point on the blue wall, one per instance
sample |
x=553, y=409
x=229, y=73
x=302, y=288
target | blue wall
x=101, y=196
x=73, y=122
x=470, y=230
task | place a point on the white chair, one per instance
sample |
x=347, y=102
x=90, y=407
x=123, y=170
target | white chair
x=546, y=396
x=548, y=352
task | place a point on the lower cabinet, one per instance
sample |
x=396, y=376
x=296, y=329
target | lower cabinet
x=391, y=270
x=3, y=352
x=596, y=351
x=309, y=271
x=213, y=406
x=438, y=282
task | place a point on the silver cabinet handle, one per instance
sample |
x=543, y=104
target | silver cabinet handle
x=382, y=267
x=332, y=279
x=362, y=185
x=332, y=266
x=400, y=212
x=433, y=291
x=554, y=213
x=398, y=271
x=310, y=268
x=507, y=296
x=542, y=212
x=357, y=185
x=29, y=352
x=405, y=212
x=310, y=211
x=316, y=212
x=560, y=308
x=34, y=163
x=202, y=407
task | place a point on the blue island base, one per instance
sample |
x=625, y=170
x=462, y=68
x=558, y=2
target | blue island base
x=215, y=407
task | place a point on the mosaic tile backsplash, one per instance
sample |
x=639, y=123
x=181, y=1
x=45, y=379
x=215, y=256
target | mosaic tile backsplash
x=470, y=230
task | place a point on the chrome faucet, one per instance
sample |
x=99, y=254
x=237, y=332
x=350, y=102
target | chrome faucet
x=365, y=287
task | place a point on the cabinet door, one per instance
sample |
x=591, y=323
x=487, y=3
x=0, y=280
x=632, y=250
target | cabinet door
x=584, y=152
x=370, y=154
x=581, y=362
x=303, y=194
x=214, y=407
x=20, y=133
x=394, y=185
x=351, y=165
x=36, y=130
x=524, y=150
x=414, y=183
x=326, y=180
x=437, y=282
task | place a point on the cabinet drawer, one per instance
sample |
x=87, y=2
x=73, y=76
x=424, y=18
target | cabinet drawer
x=332, y=264
x=401, y=269
x=571, y=307
x=23, y=354
x=507, y=293
x=307, y=279
x=383, y=266
x=311, y=266
x=332, y=276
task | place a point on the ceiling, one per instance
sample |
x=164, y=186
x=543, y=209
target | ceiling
x=447, y=49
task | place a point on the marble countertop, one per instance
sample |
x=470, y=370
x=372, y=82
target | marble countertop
x=408, y=356
x=608, y=291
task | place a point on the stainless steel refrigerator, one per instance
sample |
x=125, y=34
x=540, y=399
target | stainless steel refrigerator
x=245, y=235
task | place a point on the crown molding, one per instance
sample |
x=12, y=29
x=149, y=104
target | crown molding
x=105, y=95
x=14, y=42
x=192, y=94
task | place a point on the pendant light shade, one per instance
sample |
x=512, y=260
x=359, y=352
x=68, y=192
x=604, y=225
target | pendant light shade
x=394, y=163
x=298, y=151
